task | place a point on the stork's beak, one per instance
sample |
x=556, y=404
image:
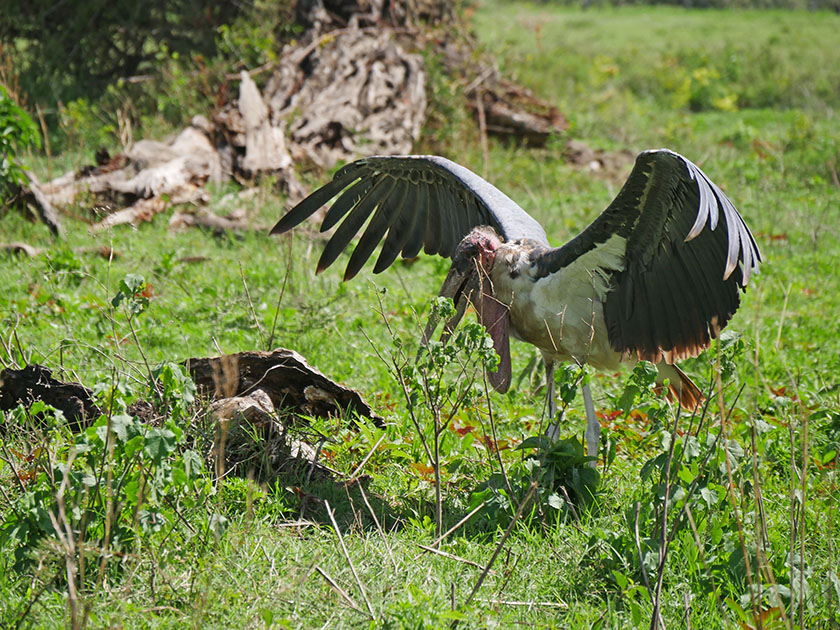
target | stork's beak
x=475, y=287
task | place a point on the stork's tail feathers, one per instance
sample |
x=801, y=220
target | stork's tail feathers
x=680, y=387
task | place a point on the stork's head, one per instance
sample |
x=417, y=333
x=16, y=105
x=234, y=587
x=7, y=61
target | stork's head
x=470, y=281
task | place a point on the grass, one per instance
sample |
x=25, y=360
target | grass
x=750, y=96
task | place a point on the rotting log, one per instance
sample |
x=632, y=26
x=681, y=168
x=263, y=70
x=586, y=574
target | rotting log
x=36, y=382
x=292, y=385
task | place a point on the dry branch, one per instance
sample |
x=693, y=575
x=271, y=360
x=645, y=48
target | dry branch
x=265, y=144
x=19, y=247
x=145, y=209
x=34, y=197
x=204, y=218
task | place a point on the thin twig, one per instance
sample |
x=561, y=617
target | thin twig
x=152, y=382
x=803, y=488
x=349, y=561
x=656, y=618
x=11, y=464
x=513, y=602
x=358, y=469
x=475, y=511
x=289, y=259
x=639, y=551
x=64, y=532
x=698, y=542
x=338, y=589
x=482, y=131
x=251, y=306
x=724, y=418
x=378, y=527
x=297, y=523
x=493, y=431
x=782, y=318
x=451, y=556
x=525, y=502
x=314, y=460
x=762, y=537
x=397, y=372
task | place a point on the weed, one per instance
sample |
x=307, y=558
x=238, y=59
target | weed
x=723, y=519
x=18, y=134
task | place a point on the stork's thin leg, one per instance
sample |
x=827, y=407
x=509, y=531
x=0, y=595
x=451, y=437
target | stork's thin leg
x=552, y=432
x=593, y=427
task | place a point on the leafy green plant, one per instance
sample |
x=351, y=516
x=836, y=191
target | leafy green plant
x=442, y=380
x=132, y=294
x=565, y=480
x=176, y=388
x=17, y=132
x=95, y=493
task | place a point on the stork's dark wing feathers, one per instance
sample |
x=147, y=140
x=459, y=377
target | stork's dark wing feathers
x=399, y=230
x=682, y=270
x=346, y=202
x=366, y=204
x=422, y=202
x=386, y=214
x=310, y=205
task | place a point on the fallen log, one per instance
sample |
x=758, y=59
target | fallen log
x=145, y=209
x=288, y=383
x=35, y=382
x=204, y=218
x=18, y=247
x=292, y=385
x=36, y=199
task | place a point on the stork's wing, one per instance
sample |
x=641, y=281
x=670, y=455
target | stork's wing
x=423, y=202
x=682, y=269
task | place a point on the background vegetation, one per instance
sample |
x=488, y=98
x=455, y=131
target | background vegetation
x=127, y=525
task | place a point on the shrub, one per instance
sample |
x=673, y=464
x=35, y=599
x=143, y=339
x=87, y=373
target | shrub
x=17, y=131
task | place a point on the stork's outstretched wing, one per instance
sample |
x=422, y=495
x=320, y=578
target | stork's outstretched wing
x=682, y=269
x=423, y=202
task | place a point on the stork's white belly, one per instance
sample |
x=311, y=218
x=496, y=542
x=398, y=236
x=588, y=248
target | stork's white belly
x=562, y=314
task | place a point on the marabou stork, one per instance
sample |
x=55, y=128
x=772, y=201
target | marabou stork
x=653, y=278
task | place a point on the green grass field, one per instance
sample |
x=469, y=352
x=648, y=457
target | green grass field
x=752, y=518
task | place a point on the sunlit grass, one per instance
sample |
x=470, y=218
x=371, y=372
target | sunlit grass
x=620, y=76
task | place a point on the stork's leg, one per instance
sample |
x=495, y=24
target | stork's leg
x=552, y=432
x=593, y=427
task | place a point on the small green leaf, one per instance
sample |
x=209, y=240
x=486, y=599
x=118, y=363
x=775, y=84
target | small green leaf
x=556, y=501
x=159, y=444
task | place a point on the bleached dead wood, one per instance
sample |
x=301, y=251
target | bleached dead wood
x=265, y=144
x=35, y=198
x=355, y=92
x=202, y=217
x=145, y=209
x=17, y=247
x=353, y=86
